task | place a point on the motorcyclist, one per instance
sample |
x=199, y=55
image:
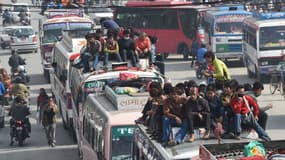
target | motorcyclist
x=19, y=89
x=19, y=112
x=6, y=16
x=20, y=72
x=15, y=60
x=23, y=16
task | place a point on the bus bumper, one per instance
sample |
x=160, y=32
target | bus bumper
x=229, y=55
x=267, y=70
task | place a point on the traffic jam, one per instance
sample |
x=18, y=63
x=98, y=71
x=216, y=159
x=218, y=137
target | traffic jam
x=107, y=68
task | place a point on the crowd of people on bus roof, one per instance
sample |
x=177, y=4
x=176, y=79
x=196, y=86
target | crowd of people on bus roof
x=121, y=44
x=214, y=106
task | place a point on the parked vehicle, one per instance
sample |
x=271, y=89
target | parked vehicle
x=5, y=37
x=17, y=8
x=24, y=39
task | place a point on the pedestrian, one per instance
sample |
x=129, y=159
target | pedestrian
x=49, y=121
x=42, y=100
x=194, y=50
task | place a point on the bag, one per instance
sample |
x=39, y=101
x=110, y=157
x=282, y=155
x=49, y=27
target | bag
x=254, y=148
x=127, y=76
x=249, y=118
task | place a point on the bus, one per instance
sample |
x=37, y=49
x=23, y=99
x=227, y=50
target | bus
x=174, y=23
x=64, y=51
x=223, y=30
x=263, y=43
x=108, y=124
x=51, y=31
x=81, y=85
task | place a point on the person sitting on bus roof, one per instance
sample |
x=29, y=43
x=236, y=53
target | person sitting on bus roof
x=111, y=47
x=127, y=47
x=197, y=111
x=216, y=107
x=91, y=50
x=143, y=47
x=173, y=116
x=243, y=115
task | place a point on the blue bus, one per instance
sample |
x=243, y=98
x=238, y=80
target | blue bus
x=223, y=30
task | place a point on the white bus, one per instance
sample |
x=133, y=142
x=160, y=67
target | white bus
x=263, y=42
x=223, y=30
x=65, y=50
x=83, y=84
x=108, y=125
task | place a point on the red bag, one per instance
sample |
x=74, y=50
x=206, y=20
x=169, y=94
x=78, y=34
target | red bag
x=127, y=76
x=253, y=158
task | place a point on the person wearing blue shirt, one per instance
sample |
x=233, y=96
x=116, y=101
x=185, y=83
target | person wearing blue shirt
x=111, y=26
x=200, y=53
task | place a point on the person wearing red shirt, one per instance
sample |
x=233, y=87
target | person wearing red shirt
x=143, y=47
x=240, y=106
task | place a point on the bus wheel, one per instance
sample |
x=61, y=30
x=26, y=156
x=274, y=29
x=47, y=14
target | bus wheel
x=164, y=56
x=183, y=49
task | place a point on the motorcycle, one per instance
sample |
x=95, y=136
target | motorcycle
x=19, y=131
x=199, y=69
x=6, y=20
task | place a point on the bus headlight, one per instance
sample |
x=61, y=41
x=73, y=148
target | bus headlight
x=264, y=63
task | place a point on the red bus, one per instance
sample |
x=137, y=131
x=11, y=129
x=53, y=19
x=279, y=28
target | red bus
x=174, y=23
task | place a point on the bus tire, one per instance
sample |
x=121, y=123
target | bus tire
x=164, y=56
x=183, y=49
x=46, y=75
x=71, y=131
x=249, y=73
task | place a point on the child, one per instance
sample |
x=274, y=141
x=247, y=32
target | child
x=111, y=47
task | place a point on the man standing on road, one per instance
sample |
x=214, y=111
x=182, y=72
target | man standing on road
x=49, y=121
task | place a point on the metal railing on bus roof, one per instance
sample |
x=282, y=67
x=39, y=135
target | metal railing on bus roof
x=269, y=15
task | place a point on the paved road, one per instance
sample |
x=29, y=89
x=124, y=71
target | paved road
x=177, y=70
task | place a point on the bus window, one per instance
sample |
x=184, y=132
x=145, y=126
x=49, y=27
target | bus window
x=228, y=27
x=121, y=142
x=187, y=20
x=272, y=38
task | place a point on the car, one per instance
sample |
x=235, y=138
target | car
x=5, y=37
x=16, y=8
x=24, y=39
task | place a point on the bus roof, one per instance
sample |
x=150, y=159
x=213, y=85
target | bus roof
x=115, y=116
x=53, y=13
x=68, y=19
x=260, y=22
x=184, y=150
x=156, y=3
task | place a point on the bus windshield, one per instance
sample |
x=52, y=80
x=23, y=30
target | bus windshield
x=272, y=38
x=52, y=32
x=228, y=27
x=121, y=142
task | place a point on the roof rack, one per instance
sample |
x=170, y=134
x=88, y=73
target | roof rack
x=269, y=15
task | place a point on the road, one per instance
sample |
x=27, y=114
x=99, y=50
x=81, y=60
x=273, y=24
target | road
x=36, y=147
